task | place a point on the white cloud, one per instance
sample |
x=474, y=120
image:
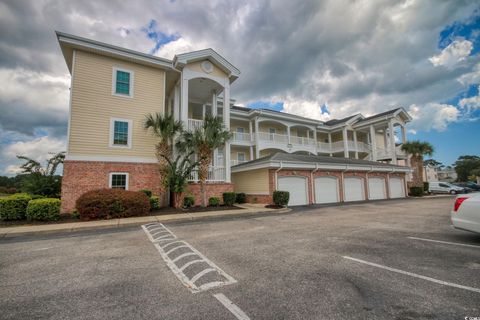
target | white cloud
x=470, y=77
x=455, y=52
x=305, y=108
x=432, y=116
x=181, y=45
x=39, y=149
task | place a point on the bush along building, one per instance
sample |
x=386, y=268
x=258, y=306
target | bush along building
x=113, y=89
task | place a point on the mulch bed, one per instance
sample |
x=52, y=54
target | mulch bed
x=273, y=206
x=162, y=211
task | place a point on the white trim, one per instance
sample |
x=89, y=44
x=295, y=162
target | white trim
x=118, y=173
x=74, y=54
x=110, y=159
x=114, y=82
x=130, y=129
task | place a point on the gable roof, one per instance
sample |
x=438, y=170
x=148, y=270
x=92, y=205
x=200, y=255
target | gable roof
x=334, y=122
x=180, y=60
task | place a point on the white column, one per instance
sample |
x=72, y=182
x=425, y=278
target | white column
x=404, y=134
x=184, y=102
x=251, y=152
x=203, y=111
x=226, y=123
x=316, y=141
x=250, y=130
x=373, y=141
x=257, y=140
x=214, y=104
x=176, y=103
x=330, y=143
x=288, y=134
x=355, y=143
x=392, y=142
x=345, y=142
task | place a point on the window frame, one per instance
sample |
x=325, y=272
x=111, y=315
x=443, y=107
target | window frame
x=110, y=176
x=114, y=82
x=112, y=133
x=244, y=157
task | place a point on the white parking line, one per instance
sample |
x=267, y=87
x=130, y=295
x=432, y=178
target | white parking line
x=446, y=242
x=234, y=309
x=445, y=283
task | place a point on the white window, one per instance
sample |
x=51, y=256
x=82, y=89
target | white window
x=240, y=130
x=272, y=132
x=122, y=82
x=241, y=157
x=118, y=180
x=120, y=133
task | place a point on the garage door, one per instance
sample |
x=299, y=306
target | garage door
x=354, y=189
x=376, y=188
x=396, y=188
x=297, y=186
x=326, y=190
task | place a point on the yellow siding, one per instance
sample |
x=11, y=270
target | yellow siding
x=251, y=182
x=234, y=153
x=197, y=66
x=93, y=105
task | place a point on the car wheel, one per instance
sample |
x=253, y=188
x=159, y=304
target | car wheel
x=453, y=192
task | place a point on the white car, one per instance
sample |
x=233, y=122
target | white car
x=466, y=212
x=444, y=187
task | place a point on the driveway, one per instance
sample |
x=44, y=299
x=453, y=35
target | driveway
x=380, y=260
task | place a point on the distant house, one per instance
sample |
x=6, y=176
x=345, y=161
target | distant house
x=430, y=173
x=447, y=174
x=113, y=88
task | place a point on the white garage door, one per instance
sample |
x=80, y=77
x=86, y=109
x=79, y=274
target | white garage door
x=326, y=190
x=376, y=188
x=354, y=190
x=297, y=186
x=396, y=188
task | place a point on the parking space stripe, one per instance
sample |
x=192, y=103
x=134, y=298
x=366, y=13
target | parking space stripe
x=201, y=274
x=176, y=248
x=234, y=309
x=446, y=242
x=185, y=266
x=411, y=274
x=184, y=255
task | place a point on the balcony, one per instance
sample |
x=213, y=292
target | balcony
x=235, y=162
x=241, y=138
x=194, y=124
x=384, y=154
x=215, y=174
x=338, y=146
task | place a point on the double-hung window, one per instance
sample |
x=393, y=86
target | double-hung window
x=118, y=180
x=122, y=84
x=120, y=133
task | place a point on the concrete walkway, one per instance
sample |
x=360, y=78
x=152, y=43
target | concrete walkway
x=247, y=210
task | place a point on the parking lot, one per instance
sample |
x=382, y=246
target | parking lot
x=381, y=260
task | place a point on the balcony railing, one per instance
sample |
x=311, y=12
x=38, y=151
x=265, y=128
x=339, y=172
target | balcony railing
x=194, y=124
x=235, y=162
x=273, y=137
x=304, y=141
x=240, y=137
x=215, y=174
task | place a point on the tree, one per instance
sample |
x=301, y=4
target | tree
x=433, y=163
x=465, y=165
x=40, y=180
x=417, y=149
x=210, y=136
x=165, y=128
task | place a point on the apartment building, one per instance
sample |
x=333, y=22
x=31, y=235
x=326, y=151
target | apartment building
x=113, y=88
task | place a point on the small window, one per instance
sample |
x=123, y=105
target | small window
x=118, y=180
x=120, y=133
x=241, y=157
x=122, y=82
x=240, y=130
x=272, y=130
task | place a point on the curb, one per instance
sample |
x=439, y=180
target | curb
x=112, y=224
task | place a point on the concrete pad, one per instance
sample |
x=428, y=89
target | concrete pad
x=136, y=220
x=171, y=217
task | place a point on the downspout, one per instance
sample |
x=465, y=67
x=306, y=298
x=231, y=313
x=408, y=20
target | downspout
x=311, y=181
x=343, y=182
x=366, y=182
x=388, y=183
x=276, y=176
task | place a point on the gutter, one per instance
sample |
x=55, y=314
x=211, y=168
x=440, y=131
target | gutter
x=343, y=182
x=366, y=182
x=311, y=180
x=276, y=175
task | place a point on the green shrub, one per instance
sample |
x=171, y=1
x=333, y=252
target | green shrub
x=214, y=202
x=14, y=207
x=154, y=203
x=280, y=198
x=188, y=201
x=229, y=198
x=75, y=214
x=112, y=203
x=147, y=192
x=37, y=196
x=47, y=209
x=416, y=191
x=426, y=186
x=241, y=198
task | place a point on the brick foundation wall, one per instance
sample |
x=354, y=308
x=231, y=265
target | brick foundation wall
x=82, y=176
x=212, y=190
x=259, y=198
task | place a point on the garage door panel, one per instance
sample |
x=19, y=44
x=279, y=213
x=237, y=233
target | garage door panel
x=376, y=188
x=297, y=187
x=326, y=190
x=354, y=189
x=396, y=188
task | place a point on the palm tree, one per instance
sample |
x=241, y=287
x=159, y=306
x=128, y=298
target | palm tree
x=417, y=149
x=210, y=136
x=34, y=167
x=165, y=128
